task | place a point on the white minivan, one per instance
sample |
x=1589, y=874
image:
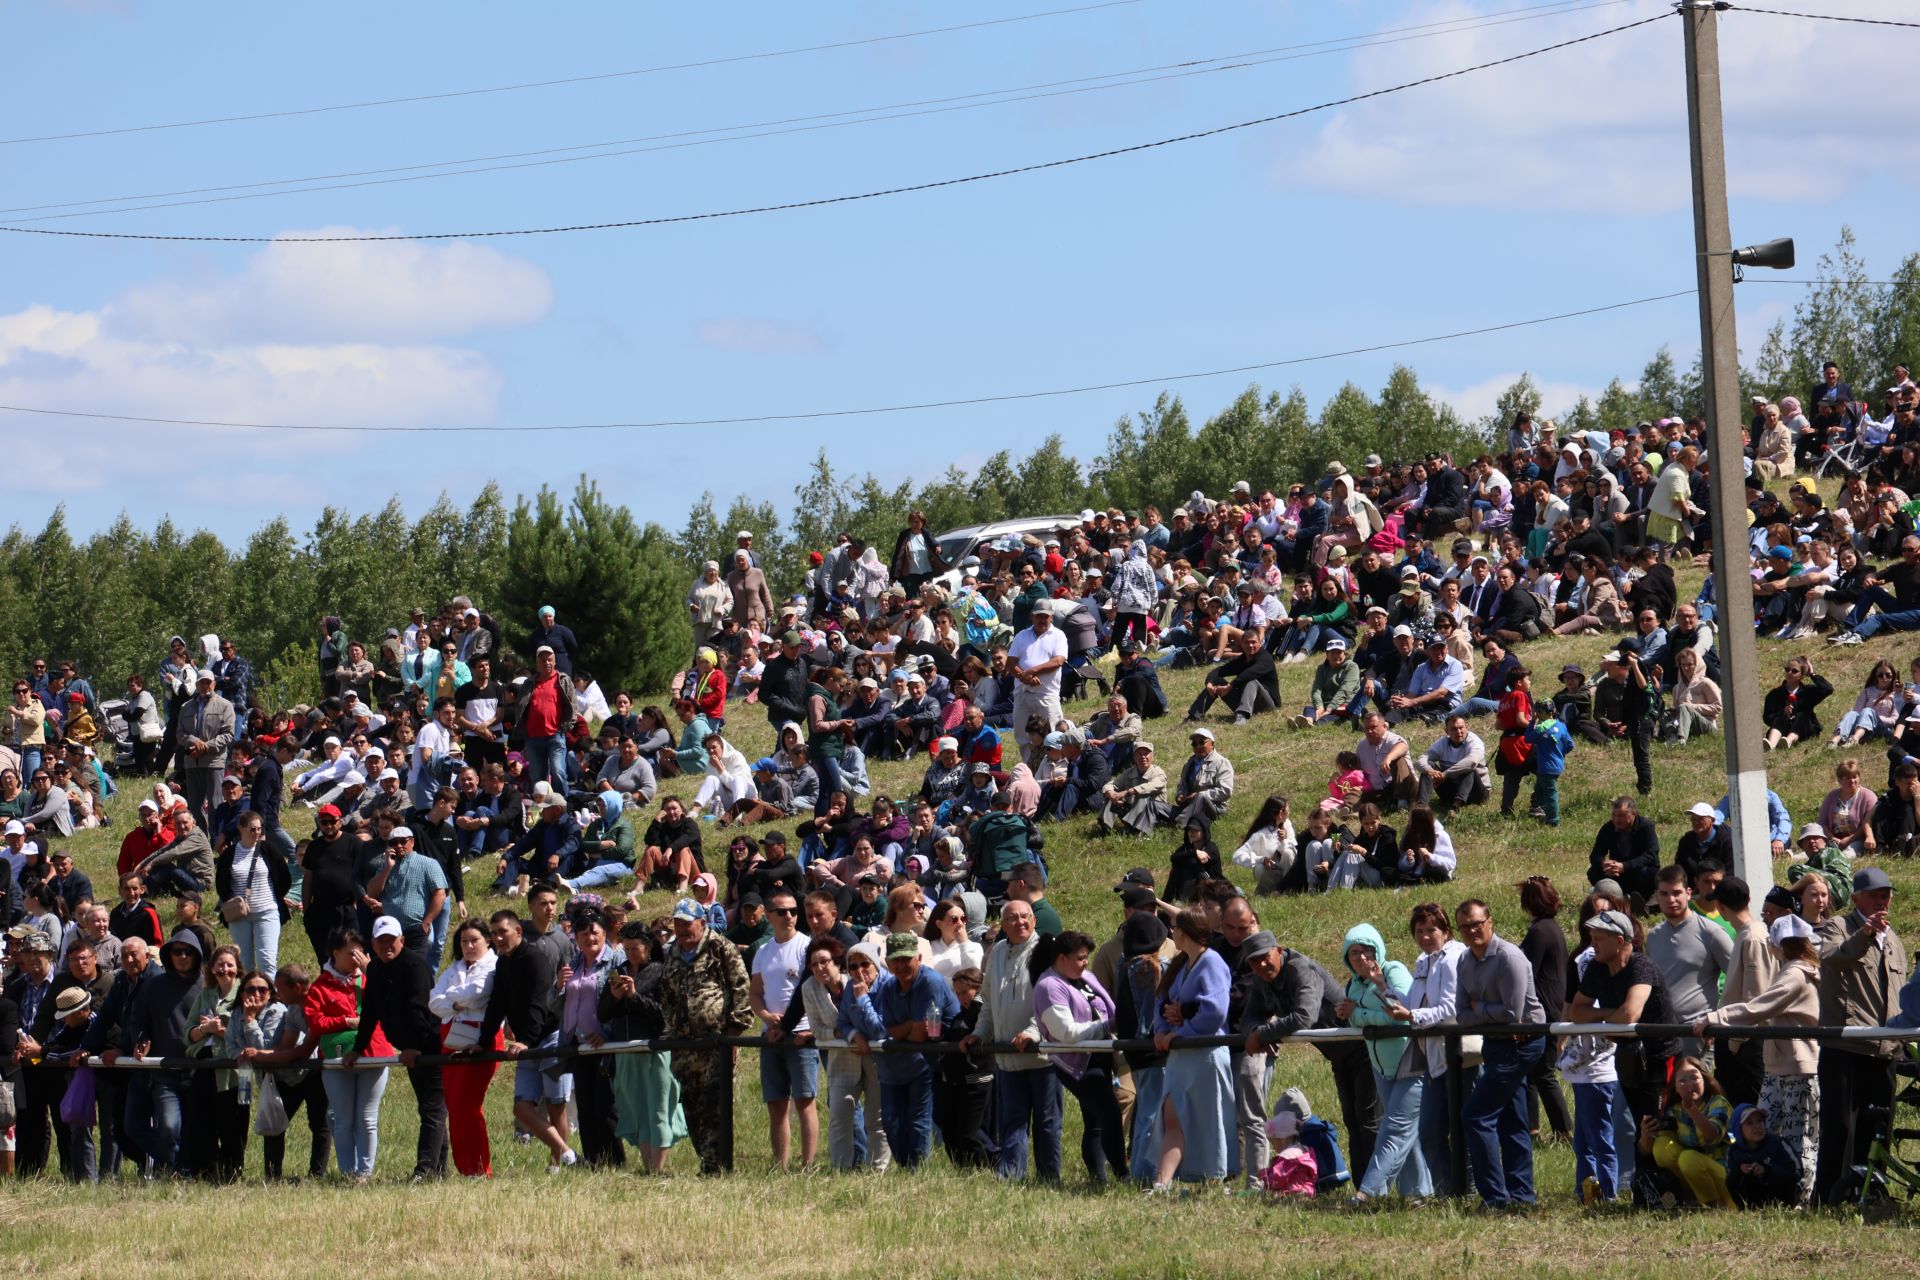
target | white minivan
x=957, y=544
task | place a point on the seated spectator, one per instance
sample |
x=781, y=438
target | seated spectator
x=1136, y=798
x=1426, y=850
x=1788, y=711
x=1248, y=682
x=1847, y=812
x=1205, y=785
x=1626, y=850
x=1876, y=711
x=1453, y=771
x=1435, y=688
x=1386, y=765
x=1336, y=688
x=1707, y=839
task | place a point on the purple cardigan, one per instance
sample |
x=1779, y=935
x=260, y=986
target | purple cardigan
x=1082, y=1006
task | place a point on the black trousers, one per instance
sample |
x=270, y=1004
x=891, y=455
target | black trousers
x=430, y=1098
x=961, y=1111
x=1640, y=736
x=593, y=1099
x=1739, y=1072
x=1360, y=1108
x=230, y=1117
x=1103, y=1141
x=1543, y=1091
x=37, y=1122
x=1849, y=1083
x=312, y=1095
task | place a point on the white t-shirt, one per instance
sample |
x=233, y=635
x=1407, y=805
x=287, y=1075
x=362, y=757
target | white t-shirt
x=432, y=737
x=780, y=966
x=1030, y=649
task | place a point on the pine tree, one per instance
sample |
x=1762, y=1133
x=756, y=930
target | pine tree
x=618, y=587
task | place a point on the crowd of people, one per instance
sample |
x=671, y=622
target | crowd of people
x=864, y=925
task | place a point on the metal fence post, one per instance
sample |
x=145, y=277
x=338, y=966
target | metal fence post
x=1456, y=1102
x=728, y=1056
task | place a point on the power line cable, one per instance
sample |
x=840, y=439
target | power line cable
x=822, y=201
x=1824, y=17
x=565, y=80
x=868, y=411
x=619, y=147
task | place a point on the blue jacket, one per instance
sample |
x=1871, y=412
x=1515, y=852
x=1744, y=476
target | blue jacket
x=1551, y=742
x=889, y=1004
x=1779, y=821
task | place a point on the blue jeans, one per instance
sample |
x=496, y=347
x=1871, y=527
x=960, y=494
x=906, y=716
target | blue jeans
x=1149, y=1091
x=1495, y=1122
x=166, y=1095
x=437, y=932
x=1480, y=707
x=829, y=771
x=539, y=1080
x=547, y=760
x=353, y=1113
x=1546, y=797
x=1396, y=1151
x=1301, y=639
x=172, y=878
x=1436, y=1130
x=602, y=873
x=906, y=1112
x=30, y=758
x=1017, y=1097
x=258, y=937
x=1593, y=1138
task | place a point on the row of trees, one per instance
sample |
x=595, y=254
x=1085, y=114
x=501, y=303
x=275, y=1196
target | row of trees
x=111, y=601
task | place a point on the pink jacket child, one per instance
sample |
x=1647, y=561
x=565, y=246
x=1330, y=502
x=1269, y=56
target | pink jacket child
x=1293, y=1170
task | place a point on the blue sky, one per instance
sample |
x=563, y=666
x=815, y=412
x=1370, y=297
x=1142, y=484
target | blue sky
x=1555, y=184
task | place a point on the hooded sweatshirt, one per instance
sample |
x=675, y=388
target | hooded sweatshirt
x=610, y=826
x=1370, y=1003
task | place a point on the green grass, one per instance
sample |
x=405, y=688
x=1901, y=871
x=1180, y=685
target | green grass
x=930, y=1223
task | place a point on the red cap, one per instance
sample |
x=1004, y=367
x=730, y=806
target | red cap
x=76, y=696
x=814, y=557
x=327, y=811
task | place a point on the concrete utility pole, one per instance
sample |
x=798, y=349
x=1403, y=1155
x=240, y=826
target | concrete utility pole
x=1720, y=363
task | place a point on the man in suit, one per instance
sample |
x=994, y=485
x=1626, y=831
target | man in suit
x=206, y=732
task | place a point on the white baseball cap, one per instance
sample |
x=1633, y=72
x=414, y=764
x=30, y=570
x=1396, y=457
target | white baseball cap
x=387, y=927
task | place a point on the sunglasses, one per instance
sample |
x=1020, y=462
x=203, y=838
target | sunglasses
x=783, y=911
x=256, y=991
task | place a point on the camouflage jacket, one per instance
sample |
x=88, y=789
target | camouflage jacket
x=707, y=995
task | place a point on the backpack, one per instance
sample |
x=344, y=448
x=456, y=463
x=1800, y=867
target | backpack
x=1322, y=1137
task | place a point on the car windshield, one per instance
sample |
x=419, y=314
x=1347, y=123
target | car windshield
x=954, y=547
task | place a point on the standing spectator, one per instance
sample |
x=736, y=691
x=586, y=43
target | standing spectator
x=250, y=883
x=708, y=601
x=1859, y=982
x=1545, y=947
x=333, y=1012
x=789, y=1073
x=1039, y=652
x=1692, y=952
x=911, y=1004
x=1496, y=986
x=525, y=1000
x=206, y=732
x=1195, y=1121
x=459, y=1000
x=397, y=1001
x=1026, y=1092
x=752, y=602
x=704, y=992
x=550, y=712
x=1070, y=1005
x=646, y=1094
x=549, y=633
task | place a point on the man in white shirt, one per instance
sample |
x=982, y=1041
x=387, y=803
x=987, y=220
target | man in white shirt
x=331, y=778
x=431, y=750
x=1038, y=654
x=789, y=1074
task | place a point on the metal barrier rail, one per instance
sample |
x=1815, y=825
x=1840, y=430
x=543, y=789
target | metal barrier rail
x=1453, y=1035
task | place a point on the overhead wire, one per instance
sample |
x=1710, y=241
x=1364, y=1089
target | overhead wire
x=823, y=201
x=866, y=411
x=1825, y=17
x=564, y=80
x=618, y=147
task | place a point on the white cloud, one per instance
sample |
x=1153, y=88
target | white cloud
x=295, y=336
x=759, y=336
x=1478, y=400
x=364, y=291
x=1602, y=127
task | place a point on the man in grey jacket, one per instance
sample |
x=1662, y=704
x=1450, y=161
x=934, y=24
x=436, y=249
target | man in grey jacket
x=1293, y=992
x=1025, y=1086
x=206, y=731
x=1205, y=785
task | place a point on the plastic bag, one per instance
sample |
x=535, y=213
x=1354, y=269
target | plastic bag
x=269, y=1111
x=76, y=1105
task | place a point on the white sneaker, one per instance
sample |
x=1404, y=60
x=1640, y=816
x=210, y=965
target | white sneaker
x=513, y=891
x=1847, y=638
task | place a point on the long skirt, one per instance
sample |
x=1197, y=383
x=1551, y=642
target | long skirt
x=646, y=1100
x=1199, y=1082
x=1792, y=1104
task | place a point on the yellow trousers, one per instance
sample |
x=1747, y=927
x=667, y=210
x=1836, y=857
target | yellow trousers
x=1705, y=1176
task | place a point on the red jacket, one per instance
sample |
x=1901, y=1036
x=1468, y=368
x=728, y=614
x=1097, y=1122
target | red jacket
x=710, y=694
x=329, y=1004
x=137, y=846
